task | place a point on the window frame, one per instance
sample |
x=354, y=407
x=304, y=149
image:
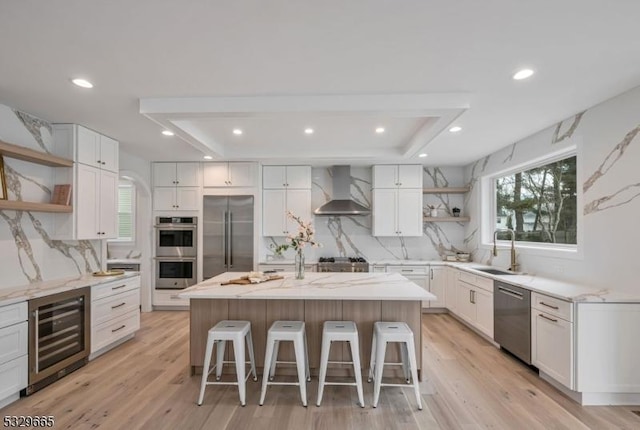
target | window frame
x=488, y=209
x=133, y=214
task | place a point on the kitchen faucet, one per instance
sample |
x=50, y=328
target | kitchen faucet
x=514, y=265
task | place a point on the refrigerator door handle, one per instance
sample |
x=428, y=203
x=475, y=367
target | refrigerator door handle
x=230, y=240
x=224, y=237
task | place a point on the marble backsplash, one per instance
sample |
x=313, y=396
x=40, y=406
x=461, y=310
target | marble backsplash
x=350, y=236
x=28, y=253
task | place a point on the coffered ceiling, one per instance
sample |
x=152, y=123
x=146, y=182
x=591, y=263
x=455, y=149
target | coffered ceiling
x=274, y=68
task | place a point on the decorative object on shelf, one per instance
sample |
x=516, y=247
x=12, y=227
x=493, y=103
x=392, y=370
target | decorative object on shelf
x=61, y=194
x=455, y=211
x=304, y=237
x=433, y=210
x=3, y=182
x=463, y=256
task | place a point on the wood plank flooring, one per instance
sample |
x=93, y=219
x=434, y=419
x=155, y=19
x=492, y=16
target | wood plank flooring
x=145, y=384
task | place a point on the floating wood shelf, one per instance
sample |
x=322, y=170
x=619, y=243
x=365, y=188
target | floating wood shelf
x=447, y=219
x=446, y=190
x=17, y=205
x=21, y=153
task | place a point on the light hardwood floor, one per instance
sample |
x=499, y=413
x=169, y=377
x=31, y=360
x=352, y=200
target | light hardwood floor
x=145, y=384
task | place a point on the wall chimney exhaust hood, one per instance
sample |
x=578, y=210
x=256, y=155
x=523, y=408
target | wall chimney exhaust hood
x=342, y=204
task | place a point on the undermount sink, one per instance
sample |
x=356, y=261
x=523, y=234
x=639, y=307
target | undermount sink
x=493, y=271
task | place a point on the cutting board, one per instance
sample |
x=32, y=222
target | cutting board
x=245, y=280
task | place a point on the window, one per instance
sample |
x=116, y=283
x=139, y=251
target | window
x=539, y=203
x=126, y=213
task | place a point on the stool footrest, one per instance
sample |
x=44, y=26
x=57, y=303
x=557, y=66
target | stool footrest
x=349, y=384
x=397, y=385
x=340, y=362
x=282, y=383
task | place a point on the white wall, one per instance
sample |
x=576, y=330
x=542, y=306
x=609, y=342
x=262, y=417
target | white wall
x=609, y=166
x=27, y=252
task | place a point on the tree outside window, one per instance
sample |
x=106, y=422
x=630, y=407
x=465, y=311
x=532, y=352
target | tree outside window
x=539, y=204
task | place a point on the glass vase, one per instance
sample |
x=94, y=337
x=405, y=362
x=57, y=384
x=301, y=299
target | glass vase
x=299, y=264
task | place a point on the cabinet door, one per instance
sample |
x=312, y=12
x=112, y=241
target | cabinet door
x=187, y=174
x=299, y=177
x=274, y=212
x=187, y=198
x=437, y=281
x=422, y=282
x=164, y=198
x=215, y=175
x=108, y=205
x=466, y=308
x=298, y=203
x=410, y=176
x=88, y=203
x=274, y=177
x=88, y=147
x=109, y=154
x=410, y=212
x=484, y=311
x=552, y=352
x=242, y=175
x=164, y=174
x=385, y=203
x=385, y=176
x=450, y=289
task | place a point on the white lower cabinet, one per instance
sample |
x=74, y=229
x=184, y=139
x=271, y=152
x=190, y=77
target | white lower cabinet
x=474, y=301
x=115, y=313
x=450, y=289
x=13, y=351
x=427, y=277
x=169, y=298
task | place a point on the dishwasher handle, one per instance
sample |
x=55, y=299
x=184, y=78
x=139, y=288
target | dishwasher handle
x=512, y=293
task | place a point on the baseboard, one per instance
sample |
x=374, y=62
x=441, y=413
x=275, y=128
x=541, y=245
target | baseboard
x=170, y=308
x=434, y=310
x=8, y=400
x=475, y=330
x=594, y=399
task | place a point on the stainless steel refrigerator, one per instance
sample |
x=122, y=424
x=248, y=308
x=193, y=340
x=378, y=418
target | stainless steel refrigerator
x=228, y=235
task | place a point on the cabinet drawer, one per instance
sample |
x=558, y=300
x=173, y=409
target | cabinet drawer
x=116, y=287
x=477, y=281
x=409, y=270
x=12, y=314
x=105, y=334
x=169, y=298
x=13, y=341
x=111, y=307
x=553, y=306
x=13, y=376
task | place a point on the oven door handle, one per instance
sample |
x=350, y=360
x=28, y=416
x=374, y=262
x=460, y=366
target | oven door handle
x=175, y=226
x=169, y=259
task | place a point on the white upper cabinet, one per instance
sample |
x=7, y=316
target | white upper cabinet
x=277, y=177
x=229, y=174
x=176, y=174
x=397, y=176
x=96, y=204
x=94, y=149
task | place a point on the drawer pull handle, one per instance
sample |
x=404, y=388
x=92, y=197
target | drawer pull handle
x=117, y=288
x=547, y=318
x=118, y=329
x=407, y=270
x=117, y=306
x=549, y=306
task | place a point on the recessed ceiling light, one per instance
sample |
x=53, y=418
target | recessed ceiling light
x=167, y=132
x=455, y=129
x=237, y=131
x=308, y=131
x=422, y=155
x=208, y=157
x=82, y=83
x=380, y=130
x=523, y=74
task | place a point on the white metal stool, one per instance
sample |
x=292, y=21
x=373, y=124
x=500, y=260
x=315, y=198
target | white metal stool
x=383, y=333
x=218, y=335
x=293, y=331
x=341, y=331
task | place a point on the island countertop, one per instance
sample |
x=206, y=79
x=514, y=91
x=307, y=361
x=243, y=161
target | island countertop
x=314, y=286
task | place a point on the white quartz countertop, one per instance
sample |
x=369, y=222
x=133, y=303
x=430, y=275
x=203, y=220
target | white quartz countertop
x=124, y=260
x=12, y=295
x=315, y=286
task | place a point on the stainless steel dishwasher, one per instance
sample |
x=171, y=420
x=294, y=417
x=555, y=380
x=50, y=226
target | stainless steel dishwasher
x=512, y=319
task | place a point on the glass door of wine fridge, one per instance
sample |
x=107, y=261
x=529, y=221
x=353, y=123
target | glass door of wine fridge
x=58, y=336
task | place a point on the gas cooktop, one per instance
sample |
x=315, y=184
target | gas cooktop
x=342, y=264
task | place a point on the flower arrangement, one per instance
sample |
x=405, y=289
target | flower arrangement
x=304, y=236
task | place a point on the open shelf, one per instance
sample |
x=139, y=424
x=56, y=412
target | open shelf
x=447, y=219
x=21, y=153
x=16, y=205
x=446, y=190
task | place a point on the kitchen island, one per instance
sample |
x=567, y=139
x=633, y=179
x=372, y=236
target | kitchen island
x=360, y=297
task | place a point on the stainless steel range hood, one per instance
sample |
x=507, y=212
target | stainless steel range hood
x=342, y=204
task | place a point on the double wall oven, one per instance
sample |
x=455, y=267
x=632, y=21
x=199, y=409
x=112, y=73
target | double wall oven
x=176, y=252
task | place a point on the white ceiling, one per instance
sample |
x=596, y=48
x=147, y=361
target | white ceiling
x=274, y=67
